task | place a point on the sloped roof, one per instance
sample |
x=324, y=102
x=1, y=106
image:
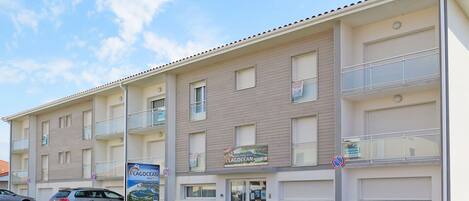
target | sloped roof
x=202, y=54
x=4, y=168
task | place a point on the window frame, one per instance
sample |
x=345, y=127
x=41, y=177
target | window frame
x=68, y=160
x=292, y=159
x=189, y=151
x=192, y=99
x=314, y=51
x=48, y=132
x=235, y=139
x=61, y=157
x=254, y=67
x=185, y=186
x=84, y=125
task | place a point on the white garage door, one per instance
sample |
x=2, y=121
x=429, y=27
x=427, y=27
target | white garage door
x=396, y=189
x=414, y=117
x=307, y=190
x=45, y=193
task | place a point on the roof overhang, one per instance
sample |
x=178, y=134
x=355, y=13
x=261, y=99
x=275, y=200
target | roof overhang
x=252, y=43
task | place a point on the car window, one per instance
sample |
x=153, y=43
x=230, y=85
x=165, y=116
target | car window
x=112, y=195
x=89, y=194
x=5, y=192
x=62, y=194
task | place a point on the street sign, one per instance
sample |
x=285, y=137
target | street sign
x=338, y=161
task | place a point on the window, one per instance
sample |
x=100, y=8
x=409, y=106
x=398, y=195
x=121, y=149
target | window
x=26, y=133
x=158, y=111
x=304, y=140
x=245, y=78
x=245, y=135
x=45, y=168
x=45, y=133
x=112, y=195
x=61, y=157
x=200, y=191
x=65, y=121
x=87, y=125
x=198, y=100
x=68, y=157
x=86, y=163
x=304, y=77
x=197, y=152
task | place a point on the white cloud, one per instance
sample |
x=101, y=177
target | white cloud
x=25, y=17
x=131, y=16
x=170, y=50
x=59, y=71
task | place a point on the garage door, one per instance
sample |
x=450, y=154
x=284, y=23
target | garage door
x=45, y=193
x=414, y=117
x=396, y=189
x=307, y=190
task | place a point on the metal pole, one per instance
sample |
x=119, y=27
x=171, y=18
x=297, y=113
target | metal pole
x=126, y=111
x=9, y=155
x=445, y=160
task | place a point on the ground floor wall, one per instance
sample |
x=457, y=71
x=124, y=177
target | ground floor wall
x=409, y=182
x=288, y=185
x=46, y=190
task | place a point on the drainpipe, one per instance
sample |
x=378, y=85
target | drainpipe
x=126, y=92
x=9, y=160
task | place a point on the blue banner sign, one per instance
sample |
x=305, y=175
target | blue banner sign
x=143, y=182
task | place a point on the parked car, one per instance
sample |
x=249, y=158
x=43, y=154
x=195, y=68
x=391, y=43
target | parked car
x=86, y=194
x=6, y=195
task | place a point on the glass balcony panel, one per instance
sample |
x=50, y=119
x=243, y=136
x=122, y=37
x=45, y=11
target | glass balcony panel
x=20, y=144
x=305, y=154
x=147, y=119
x=393, y=71
x=197, y=162
x=110, y=127
x=19, y=176
x=110, y=169
x=405, y=145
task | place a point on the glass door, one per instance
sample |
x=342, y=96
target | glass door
x=158, y=111
x=248, y=190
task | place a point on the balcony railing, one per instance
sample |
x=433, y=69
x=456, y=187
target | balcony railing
x=110, y=127
x=415, y=145
x=86, y=171
x=19, y=176
x=147, y=119
x=149, y=160
x=110, y=169
x=198, y=110
x=20, y=144
x=197, y=162
x=304, y=90
x=390, y=72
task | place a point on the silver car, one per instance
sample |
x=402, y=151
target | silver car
x=86, y=194
x=6, y=195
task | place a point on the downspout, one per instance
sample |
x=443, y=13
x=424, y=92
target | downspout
x=9, y=155
x=125, y=90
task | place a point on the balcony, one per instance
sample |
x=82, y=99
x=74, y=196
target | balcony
x=19, y=176
x=110, y=128
x=109, y=169
x=411, y=69
x=20, y=145
x=149, y=160
x=405, y=146
x=147, y=120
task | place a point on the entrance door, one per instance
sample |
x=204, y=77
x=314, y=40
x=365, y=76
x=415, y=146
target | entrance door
x=248, y=190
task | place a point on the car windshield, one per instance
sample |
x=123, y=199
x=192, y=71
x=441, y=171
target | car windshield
x=62, y=194
x=5, y=192
x=112, y=195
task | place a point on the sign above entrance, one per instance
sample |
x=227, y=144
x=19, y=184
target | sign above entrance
x=246, y=156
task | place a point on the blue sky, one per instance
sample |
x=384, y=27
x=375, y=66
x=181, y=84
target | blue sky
x=50, y=49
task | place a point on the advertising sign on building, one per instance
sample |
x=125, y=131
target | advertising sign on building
x=246, y=156
x=143, y=182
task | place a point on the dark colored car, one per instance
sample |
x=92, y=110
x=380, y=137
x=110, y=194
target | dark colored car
x=86, y=194
x=6, y=195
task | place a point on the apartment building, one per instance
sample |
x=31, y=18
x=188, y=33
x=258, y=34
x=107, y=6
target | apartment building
x=262, y=118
